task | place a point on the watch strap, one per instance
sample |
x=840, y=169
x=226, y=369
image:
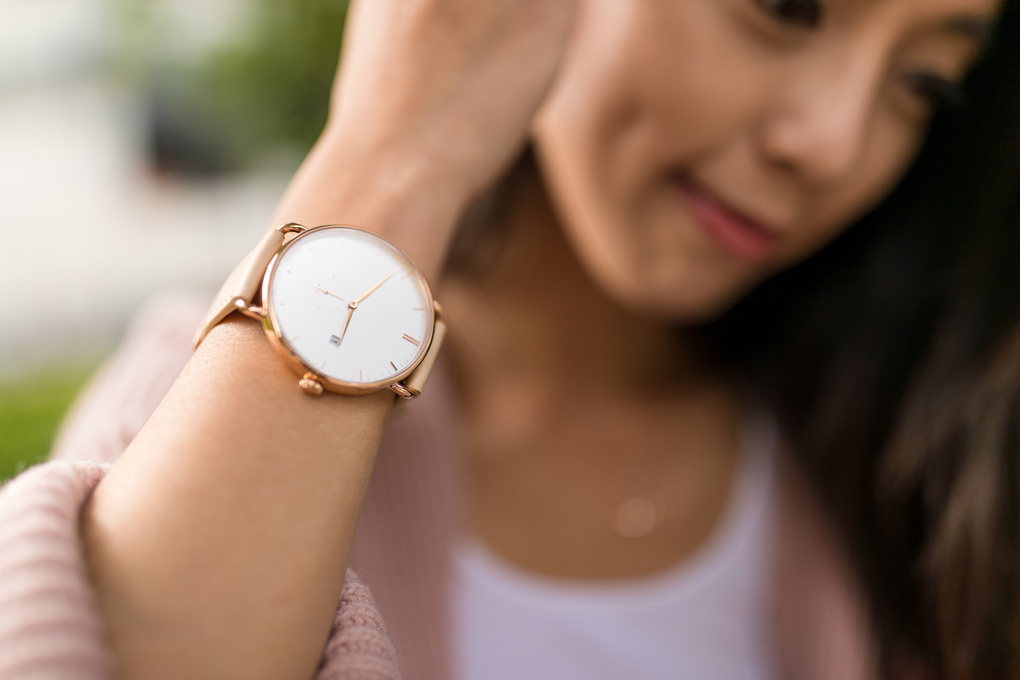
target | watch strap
x=242, y=284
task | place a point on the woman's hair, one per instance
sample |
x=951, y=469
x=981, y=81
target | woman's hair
x=893, y=361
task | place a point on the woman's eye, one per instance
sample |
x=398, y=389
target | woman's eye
x=803, y=13
x=936, y=90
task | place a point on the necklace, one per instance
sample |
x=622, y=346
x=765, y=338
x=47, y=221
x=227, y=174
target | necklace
x=631, y=507
x=633, y=511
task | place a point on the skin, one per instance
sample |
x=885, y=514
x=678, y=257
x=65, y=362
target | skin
x=805, y=129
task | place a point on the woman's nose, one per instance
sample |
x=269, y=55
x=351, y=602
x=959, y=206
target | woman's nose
x=818, y=123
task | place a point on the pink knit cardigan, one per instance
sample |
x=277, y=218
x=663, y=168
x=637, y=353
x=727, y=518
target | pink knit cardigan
x=50, y=626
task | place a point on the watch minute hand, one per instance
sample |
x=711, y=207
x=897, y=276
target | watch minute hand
x=373, y=288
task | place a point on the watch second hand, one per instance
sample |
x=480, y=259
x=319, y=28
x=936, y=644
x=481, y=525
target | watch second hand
x=323, y=290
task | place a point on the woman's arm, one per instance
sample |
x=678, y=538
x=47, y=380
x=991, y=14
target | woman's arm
x=219, y=542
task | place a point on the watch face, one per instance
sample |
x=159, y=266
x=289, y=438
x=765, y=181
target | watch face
x=350, y=306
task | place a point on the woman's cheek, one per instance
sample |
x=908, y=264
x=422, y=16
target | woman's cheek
x=890, y=150
x=627, y=113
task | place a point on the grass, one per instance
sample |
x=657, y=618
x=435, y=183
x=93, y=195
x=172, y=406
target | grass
x=31, y=408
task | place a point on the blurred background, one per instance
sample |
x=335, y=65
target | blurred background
x=143, y=146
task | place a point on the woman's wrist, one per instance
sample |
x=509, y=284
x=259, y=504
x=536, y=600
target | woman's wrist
x=401, y=192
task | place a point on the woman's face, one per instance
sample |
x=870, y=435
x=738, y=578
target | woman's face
x=694, y=147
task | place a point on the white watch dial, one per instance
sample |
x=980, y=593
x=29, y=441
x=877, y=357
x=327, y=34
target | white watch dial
x=349, y=305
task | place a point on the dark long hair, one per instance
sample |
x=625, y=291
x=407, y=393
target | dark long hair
x=893, y=361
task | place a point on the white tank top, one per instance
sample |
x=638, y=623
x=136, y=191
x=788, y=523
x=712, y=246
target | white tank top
x=704, y=619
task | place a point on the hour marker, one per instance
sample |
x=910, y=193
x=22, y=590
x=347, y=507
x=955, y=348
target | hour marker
x=419, y=309
x=411, y=340
x=393, y=365
x=343, y=240
x=359, y=376
x=289, y=271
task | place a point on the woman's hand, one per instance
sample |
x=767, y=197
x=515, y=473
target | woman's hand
x=450, y=84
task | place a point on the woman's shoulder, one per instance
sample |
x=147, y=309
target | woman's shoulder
x=823, y=626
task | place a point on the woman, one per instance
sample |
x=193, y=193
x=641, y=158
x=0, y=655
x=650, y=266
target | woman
x=684, y=153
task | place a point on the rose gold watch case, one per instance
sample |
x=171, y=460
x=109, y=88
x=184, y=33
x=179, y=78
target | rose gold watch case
x=272, y=326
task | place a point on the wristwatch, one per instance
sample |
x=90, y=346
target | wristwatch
x=347, y=309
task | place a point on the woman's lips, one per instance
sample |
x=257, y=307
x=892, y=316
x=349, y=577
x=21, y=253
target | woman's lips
x=738, y=234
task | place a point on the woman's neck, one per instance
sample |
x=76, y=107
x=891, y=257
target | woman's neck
x=537, y=309
x=535, y=341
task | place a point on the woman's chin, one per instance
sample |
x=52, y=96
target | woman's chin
x=677, y=298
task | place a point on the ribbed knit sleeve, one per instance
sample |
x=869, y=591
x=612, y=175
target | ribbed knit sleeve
x=358, y=647
x=49, y=627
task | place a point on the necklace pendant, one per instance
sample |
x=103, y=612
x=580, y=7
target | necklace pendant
x=636, y=517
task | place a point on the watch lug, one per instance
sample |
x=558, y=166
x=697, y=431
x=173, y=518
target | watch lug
x=292, y=228
x=311, y=384
x=403, y=391
x=253, y=311
x=438, y=309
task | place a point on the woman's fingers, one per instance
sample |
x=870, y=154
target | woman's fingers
x=455, y=80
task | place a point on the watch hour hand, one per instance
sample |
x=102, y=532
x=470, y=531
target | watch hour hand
x=347, y=322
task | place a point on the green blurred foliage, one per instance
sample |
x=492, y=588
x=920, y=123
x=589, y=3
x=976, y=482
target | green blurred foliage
x=270, y=87
x=31, y=409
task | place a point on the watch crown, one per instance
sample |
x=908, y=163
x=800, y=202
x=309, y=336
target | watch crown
x=310, y=383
